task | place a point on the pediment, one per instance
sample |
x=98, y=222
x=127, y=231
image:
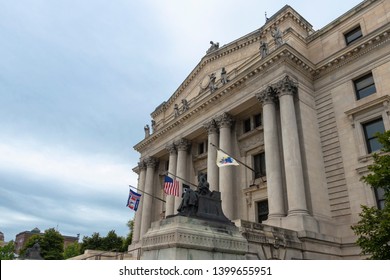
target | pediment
x=215, y=70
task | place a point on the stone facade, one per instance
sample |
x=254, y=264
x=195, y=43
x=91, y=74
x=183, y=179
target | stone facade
x=305, y=105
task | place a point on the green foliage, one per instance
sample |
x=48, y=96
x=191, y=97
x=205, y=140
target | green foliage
x=129, y=237
x=374, y=232
x=7, y=251
x=373, y=229
x=30, y=243
x=51, y=245
x=72, y=250
x=111, y=242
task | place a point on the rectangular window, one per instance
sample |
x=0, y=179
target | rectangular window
x=353, y=35
x=259, y=165
x=380, y=198
x=247, y=125
x=370, y=130
x=257, y=119
x=364, y=86
x=201, y=148
x=262, y=211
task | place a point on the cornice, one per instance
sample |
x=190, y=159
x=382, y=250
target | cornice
x=285, y=53
x=351, y=53
x=245, y=41
x=282, y=53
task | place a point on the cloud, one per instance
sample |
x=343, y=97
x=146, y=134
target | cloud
x=50, y=186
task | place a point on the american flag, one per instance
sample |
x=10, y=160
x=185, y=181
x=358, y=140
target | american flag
x=171, y=186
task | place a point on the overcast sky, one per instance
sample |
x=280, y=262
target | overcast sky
x=78, y=81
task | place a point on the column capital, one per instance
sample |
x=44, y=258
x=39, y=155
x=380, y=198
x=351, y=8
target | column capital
x=267, y=96
x=225, y=120
x=141, y=165
x=171, y=148
x=182, y=144
x=211, y=126
x=151, y=162
x=286, y=86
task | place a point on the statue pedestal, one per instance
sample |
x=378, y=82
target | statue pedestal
x=191, y=238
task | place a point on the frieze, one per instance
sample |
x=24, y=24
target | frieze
x=192, y=240
x=251, y=38
x=287, y=53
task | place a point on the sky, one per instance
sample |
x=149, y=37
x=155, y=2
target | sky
x=78, y=81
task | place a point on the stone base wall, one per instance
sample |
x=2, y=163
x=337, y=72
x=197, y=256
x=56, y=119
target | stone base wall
x=186, y=238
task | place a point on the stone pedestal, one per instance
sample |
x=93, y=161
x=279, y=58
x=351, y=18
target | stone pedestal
x=188, y=238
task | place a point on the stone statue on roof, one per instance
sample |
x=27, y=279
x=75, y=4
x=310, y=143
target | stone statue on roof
x=213, y=47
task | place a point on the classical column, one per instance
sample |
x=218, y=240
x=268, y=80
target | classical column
x=148, y=200
x=272, y=154
x=291, y=149
x=181, y=170
x=138, y=214
x=170, y=199
x=212, y=168
x=226, y=173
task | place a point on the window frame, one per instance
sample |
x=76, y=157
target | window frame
x=379, y=198
x=369, y=138
x=262, y=165
x=353, y=35
x=261, y=214
x=359, y=92
x=247, y=125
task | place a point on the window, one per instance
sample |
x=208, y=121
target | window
x=259, y=165
x=380, y=198
x=247, y=125
x=353, y=35
x=370, y=130
x=252, y=123
x=262, y=211
x=364, y=86
x=202, y=147
x=257, y=119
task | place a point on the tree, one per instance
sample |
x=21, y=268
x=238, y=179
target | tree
x=373, y=229
x=7, y=251
x=51, y=244
x=72, y=250
x=93, y=243
x=111, y=242
x=129, y=237
x=36, y=238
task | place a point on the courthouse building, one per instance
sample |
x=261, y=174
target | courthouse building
x=300, y=108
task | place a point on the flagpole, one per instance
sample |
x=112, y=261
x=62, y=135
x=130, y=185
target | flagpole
x=147, y=194
x=182, y=179
x=234, y=158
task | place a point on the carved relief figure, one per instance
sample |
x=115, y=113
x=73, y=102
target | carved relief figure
x=184, y=102
x=176, y=110
x=224, y=78
x=212, y=85
x=277, y=35
x=263, y=48
x=153, y=126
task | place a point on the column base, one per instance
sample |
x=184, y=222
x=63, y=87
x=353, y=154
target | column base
x=297, y=222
